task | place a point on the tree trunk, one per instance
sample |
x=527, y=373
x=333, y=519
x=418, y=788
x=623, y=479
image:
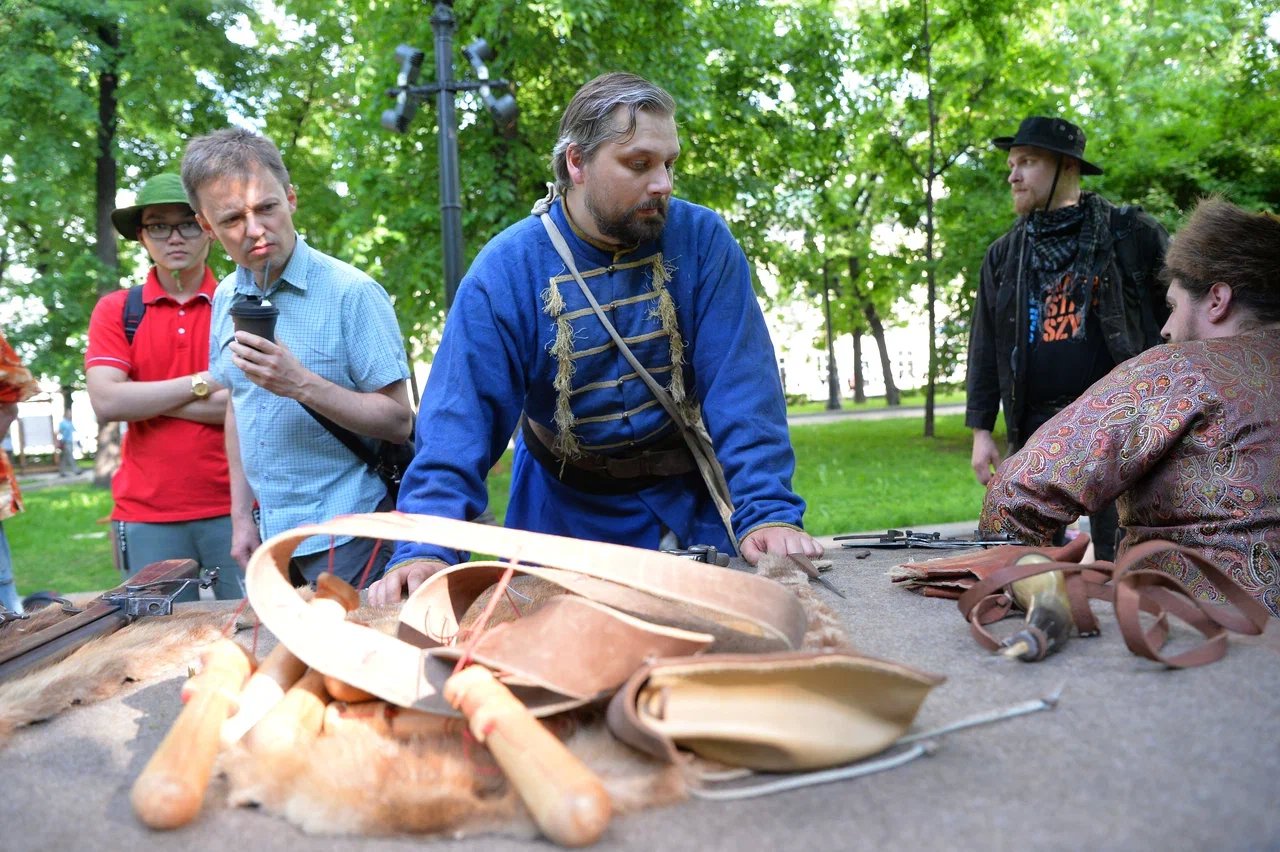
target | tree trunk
x=833, y=375
x=859, y=380
x=891, y=396
x=932, y=174
x=107, y=458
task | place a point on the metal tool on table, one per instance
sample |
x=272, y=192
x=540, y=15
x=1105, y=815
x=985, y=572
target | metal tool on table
x=807, y=566
x=933, y=540
x=150, y=592
x=701, y=553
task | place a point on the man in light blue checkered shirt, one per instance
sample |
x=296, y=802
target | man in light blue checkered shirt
x=337, y=349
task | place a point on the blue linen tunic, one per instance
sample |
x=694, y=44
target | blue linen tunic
x=340, y=324
x=496, y=359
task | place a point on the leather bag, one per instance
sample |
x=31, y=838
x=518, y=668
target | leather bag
x=754, y=700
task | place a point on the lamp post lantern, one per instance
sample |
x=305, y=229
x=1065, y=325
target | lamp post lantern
x=409, y=94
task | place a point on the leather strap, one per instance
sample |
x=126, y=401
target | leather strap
x=699, y=442
x=1132, y=589
x=632, y=604
x=1136, y=588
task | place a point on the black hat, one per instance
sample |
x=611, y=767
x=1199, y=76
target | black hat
x=1051, y=134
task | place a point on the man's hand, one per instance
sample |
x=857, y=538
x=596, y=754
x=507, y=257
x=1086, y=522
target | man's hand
x=244, y=539
x=403, y=579
x=986, y=457
x=781, y=540
x=268, y=365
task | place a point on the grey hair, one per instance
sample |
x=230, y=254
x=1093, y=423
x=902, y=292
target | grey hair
x=588, y=119
x=233, y=151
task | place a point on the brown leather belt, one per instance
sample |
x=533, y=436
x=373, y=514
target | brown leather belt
x=600, y=474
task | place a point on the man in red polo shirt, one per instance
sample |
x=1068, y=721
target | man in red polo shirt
x=147, y=365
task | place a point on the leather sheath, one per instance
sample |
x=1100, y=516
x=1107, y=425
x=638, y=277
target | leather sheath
x=777, y=712
x=952, y=576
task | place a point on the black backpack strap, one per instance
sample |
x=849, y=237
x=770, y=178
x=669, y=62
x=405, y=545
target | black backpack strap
x=347, y=438
x=134, y=308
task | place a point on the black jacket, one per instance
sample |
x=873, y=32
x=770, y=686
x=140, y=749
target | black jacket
x=1131, y=308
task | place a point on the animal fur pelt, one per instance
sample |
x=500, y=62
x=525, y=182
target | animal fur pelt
x=145, y=650
x=365, y=783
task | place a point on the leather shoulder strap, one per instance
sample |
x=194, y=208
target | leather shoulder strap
x=699, y=444
x=1132, y=588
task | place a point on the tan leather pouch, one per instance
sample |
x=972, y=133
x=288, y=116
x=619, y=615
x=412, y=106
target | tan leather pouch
x=777, y=712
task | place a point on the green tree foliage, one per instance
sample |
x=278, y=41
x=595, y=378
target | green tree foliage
x=753, y=81
x=812, y=125
x=94, y=94
x=1175, y=100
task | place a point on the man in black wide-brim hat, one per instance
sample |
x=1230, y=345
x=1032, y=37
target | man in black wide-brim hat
x=1069, y=292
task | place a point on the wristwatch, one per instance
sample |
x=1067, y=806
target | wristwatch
x=199, y=387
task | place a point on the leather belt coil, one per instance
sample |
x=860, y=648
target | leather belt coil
x=599, y=474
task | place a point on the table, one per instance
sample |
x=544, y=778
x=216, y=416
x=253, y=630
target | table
x=1135, y=756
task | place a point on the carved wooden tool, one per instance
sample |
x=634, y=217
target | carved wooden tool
x=566, y=799
x=170, y=790
x=296, y=719
x=294, y=722
x=340, y=690
x=388, y=720
x=281, y=669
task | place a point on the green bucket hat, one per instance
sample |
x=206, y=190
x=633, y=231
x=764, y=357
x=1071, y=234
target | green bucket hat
x=161, y=189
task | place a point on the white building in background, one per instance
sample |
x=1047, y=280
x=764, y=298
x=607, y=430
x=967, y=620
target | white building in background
x=35, y=430
x=800, y=342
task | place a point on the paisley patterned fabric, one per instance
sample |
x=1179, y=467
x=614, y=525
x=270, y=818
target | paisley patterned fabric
x=1186, y=438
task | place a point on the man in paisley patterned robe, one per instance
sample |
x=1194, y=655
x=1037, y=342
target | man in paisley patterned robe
x=596, y=456
x=1186, y=435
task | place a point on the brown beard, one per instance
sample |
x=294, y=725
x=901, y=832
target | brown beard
x=628, y=229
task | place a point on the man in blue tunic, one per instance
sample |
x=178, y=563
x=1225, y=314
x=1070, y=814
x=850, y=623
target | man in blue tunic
x=598, y=455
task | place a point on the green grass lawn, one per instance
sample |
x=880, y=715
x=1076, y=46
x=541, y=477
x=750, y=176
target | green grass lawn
x=58, y=542
x=861, y=475
x=855, y=474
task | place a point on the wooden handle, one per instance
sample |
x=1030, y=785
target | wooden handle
x=388, y=720
x=276, y=673
x=294, y=722
x=340, y=690
x=281, y=669
x=170, y=790
x=566, y=799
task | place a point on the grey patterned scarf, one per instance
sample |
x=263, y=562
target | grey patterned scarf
x=1070, y=238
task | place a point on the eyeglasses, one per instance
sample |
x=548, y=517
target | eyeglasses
x=162, y=230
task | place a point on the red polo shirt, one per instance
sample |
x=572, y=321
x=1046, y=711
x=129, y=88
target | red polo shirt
x=172, y=469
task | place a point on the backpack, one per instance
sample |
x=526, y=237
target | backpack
x=134, y=308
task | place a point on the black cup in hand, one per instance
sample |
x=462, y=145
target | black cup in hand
x=255, y=316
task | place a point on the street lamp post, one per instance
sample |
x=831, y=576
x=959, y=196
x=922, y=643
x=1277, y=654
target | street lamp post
x=408, y=95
